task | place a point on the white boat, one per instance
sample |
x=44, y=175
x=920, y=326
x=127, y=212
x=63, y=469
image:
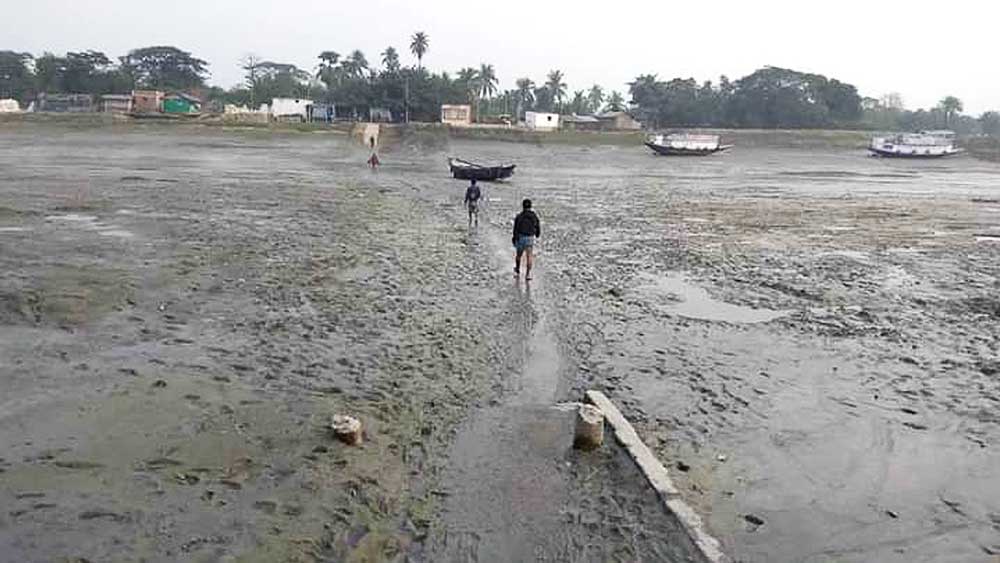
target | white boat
x=686, y=144
x=925, y=144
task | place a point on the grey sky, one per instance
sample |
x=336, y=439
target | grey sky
x=921, y=49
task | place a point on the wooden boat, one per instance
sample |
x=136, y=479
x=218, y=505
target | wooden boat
x=465, y=170
x=686, y=144
x=925, y=144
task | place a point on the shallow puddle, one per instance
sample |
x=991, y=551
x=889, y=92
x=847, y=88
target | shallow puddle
x=695, y=303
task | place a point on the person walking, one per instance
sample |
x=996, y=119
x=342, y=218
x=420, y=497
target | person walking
x=373, y=160
x=472, y=196
x=527, y=228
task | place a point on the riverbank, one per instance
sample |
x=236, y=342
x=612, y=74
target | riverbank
x=984, y=148
x=436, y=133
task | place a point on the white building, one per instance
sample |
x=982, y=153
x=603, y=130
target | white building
x=9, y=106
x=458, y=115
x=291, y=107
x=541, y=121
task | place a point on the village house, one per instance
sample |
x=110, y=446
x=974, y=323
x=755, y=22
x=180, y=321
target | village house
x=379, y=115
x=323, y=113
x=581, y=123
x=284, y=109
x=619, y=121
x=457, y=115
x=147, y=101
x=116, y=103
x=64, y=103
x=9, y=105
x=179, y=103
x=537, y=121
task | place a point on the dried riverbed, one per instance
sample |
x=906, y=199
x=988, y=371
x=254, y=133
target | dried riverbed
x=807, y=337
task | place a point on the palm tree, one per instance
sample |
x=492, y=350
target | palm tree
x=327, y=72
x=579, y=103
x=468, y=80
x=419, y=46
x=556, y=86
x=525, y=95
x=951, y=106
x=390, y=59
x=595, y=98
x=355, y=65
x=615, y=102
x=487, y=81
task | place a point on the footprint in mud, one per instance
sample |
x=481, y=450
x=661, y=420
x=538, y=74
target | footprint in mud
x=102, y=514
x=78, y=464
x=268, y=507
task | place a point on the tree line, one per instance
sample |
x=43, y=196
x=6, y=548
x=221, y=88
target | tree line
x=770, y=97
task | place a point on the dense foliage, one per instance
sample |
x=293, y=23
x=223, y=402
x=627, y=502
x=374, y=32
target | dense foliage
x=771, y=97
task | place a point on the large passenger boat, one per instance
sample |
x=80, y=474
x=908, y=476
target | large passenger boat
x=686, y=144
x=925, y=144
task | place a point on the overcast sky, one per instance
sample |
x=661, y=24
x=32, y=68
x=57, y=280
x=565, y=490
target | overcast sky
x=921, y=49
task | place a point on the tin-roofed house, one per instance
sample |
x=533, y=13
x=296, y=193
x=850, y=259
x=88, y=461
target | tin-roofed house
x=323, y=113
x=64, y=103
x=580, y=123
x=116, y=103
x=147, y=101
x=179, y=103
x=619, y=121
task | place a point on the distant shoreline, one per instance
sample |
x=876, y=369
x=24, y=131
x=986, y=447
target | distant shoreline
x=979, y=147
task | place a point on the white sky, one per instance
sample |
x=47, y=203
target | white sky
x=924, y=50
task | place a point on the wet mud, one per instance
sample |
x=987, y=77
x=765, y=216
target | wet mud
x=806, y=337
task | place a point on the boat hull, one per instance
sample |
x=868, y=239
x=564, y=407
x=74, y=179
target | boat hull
x=915, y=155
x=481, y=173
x=674, y=151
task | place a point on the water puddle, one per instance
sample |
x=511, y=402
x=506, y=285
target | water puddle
x=693, y=302
x=13, y=230
x=987, y=238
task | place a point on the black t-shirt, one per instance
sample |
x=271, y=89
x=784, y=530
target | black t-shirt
x=526, y=224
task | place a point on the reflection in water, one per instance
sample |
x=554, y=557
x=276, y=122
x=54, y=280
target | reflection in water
x=695, y=303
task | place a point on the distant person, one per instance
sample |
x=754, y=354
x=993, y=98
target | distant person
x=373, y=160
x=527, y=228
x=472, y=196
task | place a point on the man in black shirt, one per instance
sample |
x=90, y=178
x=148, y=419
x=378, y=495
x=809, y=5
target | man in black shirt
x=526, y=229
x=472, y=195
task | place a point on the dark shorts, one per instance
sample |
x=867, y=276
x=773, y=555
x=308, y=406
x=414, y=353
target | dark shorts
x=473, y=206
x=524, y=242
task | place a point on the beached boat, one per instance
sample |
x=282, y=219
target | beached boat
x=925, y=144
x=686, y=144
x=465, y=170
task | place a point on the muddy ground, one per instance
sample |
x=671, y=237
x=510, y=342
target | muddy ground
x=182, y=310
x=808, y=338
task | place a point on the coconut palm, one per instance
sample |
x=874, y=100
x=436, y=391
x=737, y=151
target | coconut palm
x=556, y=86
x=951, y=106
x=468, y=80
x=487, y=81
x=579, y=103
x=419, y=45
x=595, y=98
x=390, y=59
x=615, y=102
x=355, y=65
x=525, y=95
